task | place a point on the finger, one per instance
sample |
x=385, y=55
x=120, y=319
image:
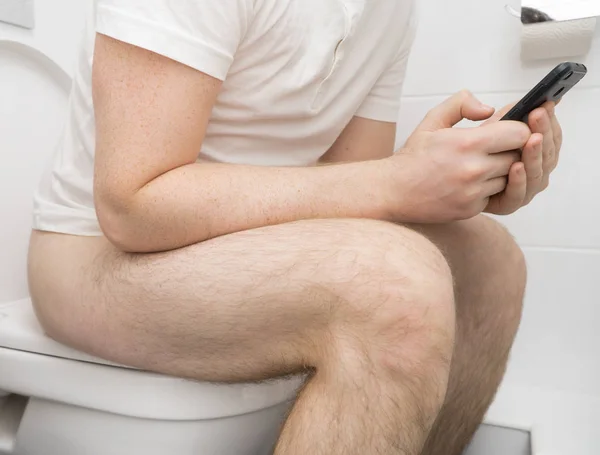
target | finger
x=500, y=163
x=513, y=197
x=539, y=122
x=533, y=163
x=550, y=106
x=494, y=138
x=558, y=134
x=494, y=186
x=517, y=186
x=462, y=105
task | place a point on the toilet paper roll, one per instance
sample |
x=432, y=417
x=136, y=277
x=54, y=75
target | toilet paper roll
x=557, y=39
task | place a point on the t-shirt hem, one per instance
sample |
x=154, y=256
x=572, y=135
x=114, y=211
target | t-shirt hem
x=156, y=38
x=71, y=226
x=379, y=111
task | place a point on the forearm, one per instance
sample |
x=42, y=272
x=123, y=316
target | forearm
x=200, y=201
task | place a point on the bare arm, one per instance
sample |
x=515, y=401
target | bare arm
x=363, y=139
x=151, y=195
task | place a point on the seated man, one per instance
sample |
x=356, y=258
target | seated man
x=226, y=205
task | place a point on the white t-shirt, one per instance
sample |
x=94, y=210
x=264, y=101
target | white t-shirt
x=295, y=72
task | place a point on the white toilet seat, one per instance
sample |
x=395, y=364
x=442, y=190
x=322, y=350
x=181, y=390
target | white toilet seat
x=24, y=333
x=35, y=366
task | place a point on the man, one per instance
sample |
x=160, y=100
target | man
x=226, y=205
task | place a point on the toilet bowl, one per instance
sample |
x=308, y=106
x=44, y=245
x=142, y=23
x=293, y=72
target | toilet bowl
x=58, y=401
x=63, y=402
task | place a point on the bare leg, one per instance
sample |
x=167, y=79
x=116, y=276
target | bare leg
x=368, y=306
x=490, y=276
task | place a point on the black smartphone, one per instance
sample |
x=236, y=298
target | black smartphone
x=552, y=88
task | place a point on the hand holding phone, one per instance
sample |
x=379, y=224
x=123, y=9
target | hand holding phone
x=539, y=157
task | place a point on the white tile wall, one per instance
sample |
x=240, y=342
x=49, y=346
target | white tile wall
x=559, y=344
x=475, y=44
x=17, y=12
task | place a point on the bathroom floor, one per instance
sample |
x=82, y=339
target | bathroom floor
x=500, y=441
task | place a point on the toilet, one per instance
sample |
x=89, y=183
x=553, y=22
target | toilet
x=57, y=401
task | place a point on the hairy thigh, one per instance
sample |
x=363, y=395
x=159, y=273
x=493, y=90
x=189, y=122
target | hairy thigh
x=246, y=306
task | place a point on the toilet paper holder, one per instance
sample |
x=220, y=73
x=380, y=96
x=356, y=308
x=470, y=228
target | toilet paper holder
x=536, y=11
x=556, y=32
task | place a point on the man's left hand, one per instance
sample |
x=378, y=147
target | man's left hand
x=531, y=175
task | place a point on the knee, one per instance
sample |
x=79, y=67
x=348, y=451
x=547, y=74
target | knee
x=504, y=250
x=515, y=267
x=506, y=272
x=397, y=309
x=514, y=274
x=491, y=276
x=517, y=274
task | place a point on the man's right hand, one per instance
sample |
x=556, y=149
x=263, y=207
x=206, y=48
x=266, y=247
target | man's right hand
x=451, y=173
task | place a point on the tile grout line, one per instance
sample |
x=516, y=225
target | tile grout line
x=560, y=249
x=488, y=92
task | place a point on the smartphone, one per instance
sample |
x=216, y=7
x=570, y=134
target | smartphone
x=552, y=88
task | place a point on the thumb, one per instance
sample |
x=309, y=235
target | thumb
x=462, y=105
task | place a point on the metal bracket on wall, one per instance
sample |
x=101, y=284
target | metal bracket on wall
x=18, y=12
x=512, y=11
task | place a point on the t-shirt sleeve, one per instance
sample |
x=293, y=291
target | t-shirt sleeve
x=202, y=34
x=383, y=101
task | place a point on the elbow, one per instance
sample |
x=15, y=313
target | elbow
x=118, y=227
